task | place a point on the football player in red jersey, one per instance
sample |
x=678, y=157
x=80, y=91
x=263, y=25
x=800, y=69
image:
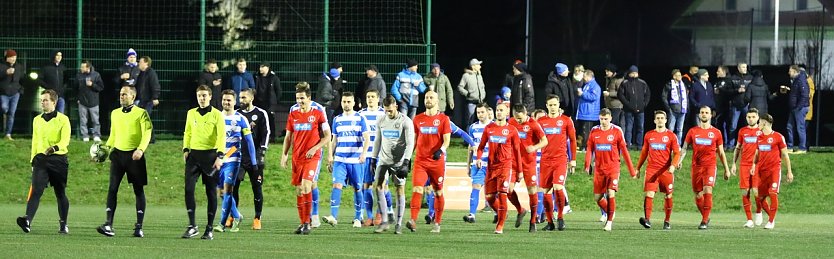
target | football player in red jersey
x=605, y=145
x=660, y=146
x=746, y=150
x=432, y=129
x=771, y=152
x=532, y=139
x=559, y=131
x=504, y=163
x=706, y=142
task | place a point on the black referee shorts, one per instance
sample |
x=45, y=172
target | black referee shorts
x=201, y=163
x=51, y=168
x=121, y=162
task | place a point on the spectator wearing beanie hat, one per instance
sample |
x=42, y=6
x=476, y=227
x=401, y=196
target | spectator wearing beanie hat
x=51, y=76
x=328, y=92
x=559, y=84
x=610, y=91
x=522, y=87
x=472, y=88
x=634, y=93
x=129, y=70
x=407, y=88
x=438, y=82
x=10, y=89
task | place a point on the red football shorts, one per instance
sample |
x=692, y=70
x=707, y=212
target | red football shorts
x=655, y=180
x=553, y=173
x=702, y=176
x=606, y=181
x=303, y=170
x=770, y=181
x=745, y=180
x=433, y=171
x=498, y=180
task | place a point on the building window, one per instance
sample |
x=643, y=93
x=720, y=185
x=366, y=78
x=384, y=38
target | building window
x=741, y=55
x=801, y=5
x=765, y=12
x=717, y=57
x=730, y=5
x=788, y=55
x=764, y=56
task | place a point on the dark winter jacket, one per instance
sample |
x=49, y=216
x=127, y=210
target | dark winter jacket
x=523, y=92
x=267, y=90
x=147, y=85
x=239, y=81
x=328, y=92
x=206, y=78
x=561, y=87
x=612, y=85
x=758, y=95
x=375, y=83
x=132, y=70
x=701, y=94
x=10, y=84
x=51, y=76
x=799, y=95
x=88, y=95
x=635, y=94
x=728, y=95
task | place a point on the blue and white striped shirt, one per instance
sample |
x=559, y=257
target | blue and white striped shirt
x=476, y=130
x=237, y=130
x=348, y=129
x=372, y=118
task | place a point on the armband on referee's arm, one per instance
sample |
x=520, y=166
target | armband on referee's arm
x=186, y=150
x=220, y=155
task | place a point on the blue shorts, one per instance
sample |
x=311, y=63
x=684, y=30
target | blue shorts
x=368, y=173
x=478, y=175
x=228, y=173
x=348, y=174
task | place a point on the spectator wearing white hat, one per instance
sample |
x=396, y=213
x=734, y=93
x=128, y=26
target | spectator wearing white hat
x=471, y=87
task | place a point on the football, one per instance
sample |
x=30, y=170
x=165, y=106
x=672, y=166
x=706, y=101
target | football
x=98, y=152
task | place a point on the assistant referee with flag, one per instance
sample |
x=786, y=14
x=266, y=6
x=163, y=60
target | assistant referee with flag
x=130, y=133
x=50, y=138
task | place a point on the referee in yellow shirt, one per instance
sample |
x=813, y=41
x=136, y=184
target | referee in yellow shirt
x=130, y=133
x=50, y=138
x=202, y=145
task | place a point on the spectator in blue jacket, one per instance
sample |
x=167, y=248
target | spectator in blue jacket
x=798, y=101
x=504, y=96
x=240, y=79
x=407, y=88
x=587, y=114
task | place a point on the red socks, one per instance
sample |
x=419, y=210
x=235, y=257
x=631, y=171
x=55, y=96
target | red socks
x=299, y=203
x=308, y=206
x=513, y=197
x=667, y=205
x=612, y=207
x=534, y=203
x=548, y=207
x=774, y=205
x=439, y=203
x=707, y=207
x=416, y=199
x=699, y=202
x=560, y=202
x=745, y=203
x=603, y=204
x=647, y=207
x=502, y=209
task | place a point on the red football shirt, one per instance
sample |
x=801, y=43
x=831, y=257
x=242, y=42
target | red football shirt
x=659, y=147
x=530, y=133
x=770, y=147
x=559, y=131
x=704, y=144
x=429, y=132
x=606, y=146
x=306, y=130
x=748, y=137
x=504, y=147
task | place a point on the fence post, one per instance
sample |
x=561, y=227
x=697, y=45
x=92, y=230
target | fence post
x=326, y=34
x=202, y=31
x=79, y=25
x=428, y=36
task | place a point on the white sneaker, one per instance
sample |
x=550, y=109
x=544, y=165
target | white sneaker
x=357, y=223
x=96, y=139
x=749, y=224
x=436, y=228
x=608, y=226
x=603, y=218
x=315, y=221
x=567, y=210
x=758, y=219
x=330, y=220
x=769, y=225
x=86, y=139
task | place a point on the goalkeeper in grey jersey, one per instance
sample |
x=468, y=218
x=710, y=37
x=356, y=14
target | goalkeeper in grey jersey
x=393, y=147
